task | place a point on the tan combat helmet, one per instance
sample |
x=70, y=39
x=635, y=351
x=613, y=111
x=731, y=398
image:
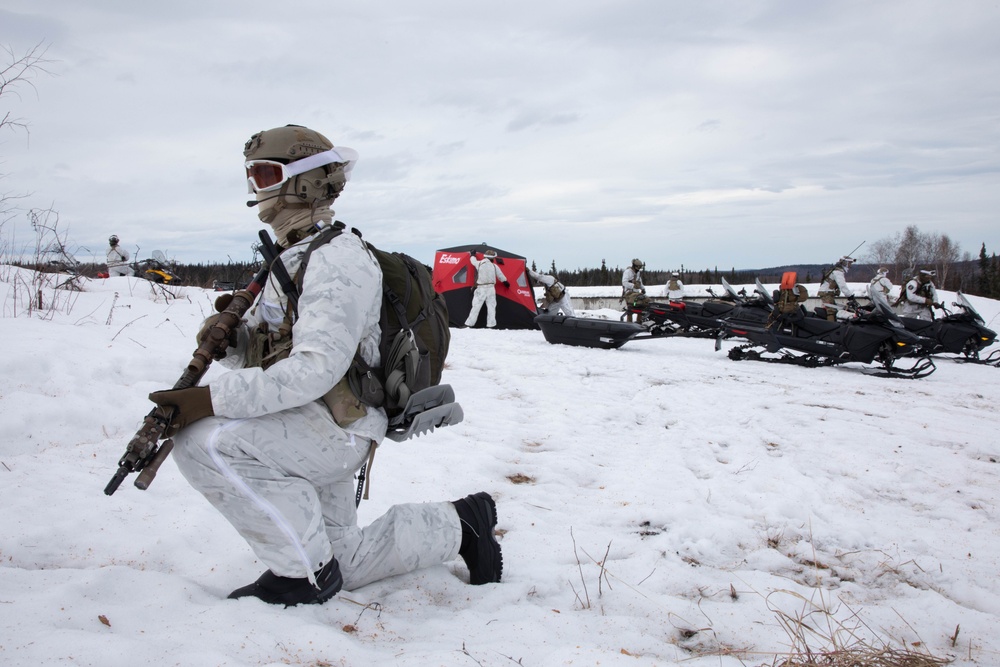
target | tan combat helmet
x=297, y=164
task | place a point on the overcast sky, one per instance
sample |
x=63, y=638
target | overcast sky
x=702, y=134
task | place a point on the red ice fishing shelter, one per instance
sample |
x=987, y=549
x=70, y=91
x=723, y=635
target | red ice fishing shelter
x=455, y=278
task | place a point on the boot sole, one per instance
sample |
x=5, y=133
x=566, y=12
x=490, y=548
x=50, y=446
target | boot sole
x=489, y=559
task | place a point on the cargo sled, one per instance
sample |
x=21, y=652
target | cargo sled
x=586, y=331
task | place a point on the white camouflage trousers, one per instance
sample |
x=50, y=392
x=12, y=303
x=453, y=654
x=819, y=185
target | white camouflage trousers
x=484, y=294
x=285, y=481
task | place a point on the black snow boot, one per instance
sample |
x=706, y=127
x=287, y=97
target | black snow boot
x=291, y=591
x=479, y=549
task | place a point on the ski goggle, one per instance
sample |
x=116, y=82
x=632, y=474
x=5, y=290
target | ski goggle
x=267, y=175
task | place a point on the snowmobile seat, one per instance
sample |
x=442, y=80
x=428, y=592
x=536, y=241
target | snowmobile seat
x=716, y=307
x=815, y=326
x=919, y=326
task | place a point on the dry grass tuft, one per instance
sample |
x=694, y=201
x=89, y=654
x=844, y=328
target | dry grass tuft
x=866, y=656
x=819, y=639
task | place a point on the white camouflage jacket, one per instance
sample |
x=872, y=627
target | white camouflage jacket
x=117, y=256
x=487, y=273
x=338, y=308
x=838, y=277
x=632, y=280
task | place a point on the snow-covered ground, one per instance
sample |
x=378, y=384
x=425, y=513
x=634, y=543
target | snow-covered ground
x=659, y=504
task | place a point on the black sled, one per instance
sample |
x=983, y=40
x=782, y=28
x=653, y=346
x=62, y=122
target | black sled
x=586, y=332
x=875, y=336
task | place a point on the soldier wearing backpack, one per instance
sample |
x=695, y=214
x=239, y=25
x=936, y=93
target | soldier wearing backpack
x=881, y=282
x=274, y=444
x=675, y=287
x=834, y=284
x=633, y=291
x=555, y=298
x=919, y=296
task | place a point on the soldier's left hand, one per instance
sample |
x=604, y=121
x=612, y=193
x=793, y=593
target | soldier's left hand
x=186, y=405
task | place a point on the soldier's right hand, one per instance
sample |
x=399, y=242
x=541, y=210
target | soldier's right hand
x=203, y=334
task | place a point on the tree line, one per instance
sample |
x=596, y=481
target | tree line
x=903, y=254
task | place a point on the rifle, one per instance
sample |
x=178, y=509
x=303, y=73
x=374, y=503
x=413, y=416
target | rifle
x=143, y=454
x=826, y=274
x=855, y=249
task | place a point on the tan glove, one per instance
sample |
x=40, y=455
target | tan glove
x=188, y=406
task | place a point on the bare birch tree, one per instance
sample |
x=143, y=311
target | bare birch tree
x=18, y=73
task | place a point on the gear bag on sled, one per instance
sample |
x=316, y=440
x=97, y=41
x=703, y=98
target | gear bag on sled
x=413, y=345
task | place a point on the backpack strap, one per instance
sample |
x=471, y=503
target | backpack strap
x=272, y=257
x=326, y=235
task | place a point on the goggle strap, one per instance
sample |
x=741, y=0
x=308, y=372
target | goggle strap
x=313, y=161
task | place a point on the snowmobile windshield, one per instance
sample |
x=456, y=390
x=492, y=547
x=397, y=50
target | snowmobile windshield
x=763, y=292
x=159, y=256
x=964, y=303
x=730, y=292
x=879, y=301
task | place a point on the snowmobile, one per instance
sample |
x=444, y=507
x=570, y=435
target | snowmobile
x=704, y=320
x=811, y=340
x=960, y=332
x=155, y=269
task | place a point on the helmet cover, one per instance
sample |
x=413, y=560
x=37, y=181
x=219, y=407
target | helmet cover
x=290, y=143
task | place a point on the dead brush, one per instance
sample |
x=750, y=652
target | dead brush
x=819, y=639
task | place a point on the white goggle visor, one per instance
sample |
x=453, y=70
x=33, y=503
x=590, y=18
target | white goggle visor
x=267, y=175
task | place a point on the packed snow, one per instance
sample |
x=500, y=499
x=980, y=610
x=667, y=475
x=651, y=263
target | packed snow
x=658, y=504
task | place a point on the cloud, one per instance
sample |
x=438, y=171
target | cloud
x=584, y=129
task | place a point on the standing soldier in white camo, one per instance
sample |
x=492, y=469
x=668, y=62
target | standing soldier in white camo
x=675, y=287
x=881, y=282
x=117, y=258
x=488, y=274
x=261, y=442
x=633, y=291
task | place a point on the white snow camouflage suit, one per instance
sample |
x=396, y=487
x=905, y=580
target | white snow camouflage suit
x=487, y=275
x=274, y=462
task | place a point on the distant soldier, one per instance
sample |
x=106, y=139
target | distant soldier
x=555, y=298
x=881, y=282
x=834, y=284
x=919, y=296
x=675, y=287
x=633, y=291
x=117, y=258
x=487, y=276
